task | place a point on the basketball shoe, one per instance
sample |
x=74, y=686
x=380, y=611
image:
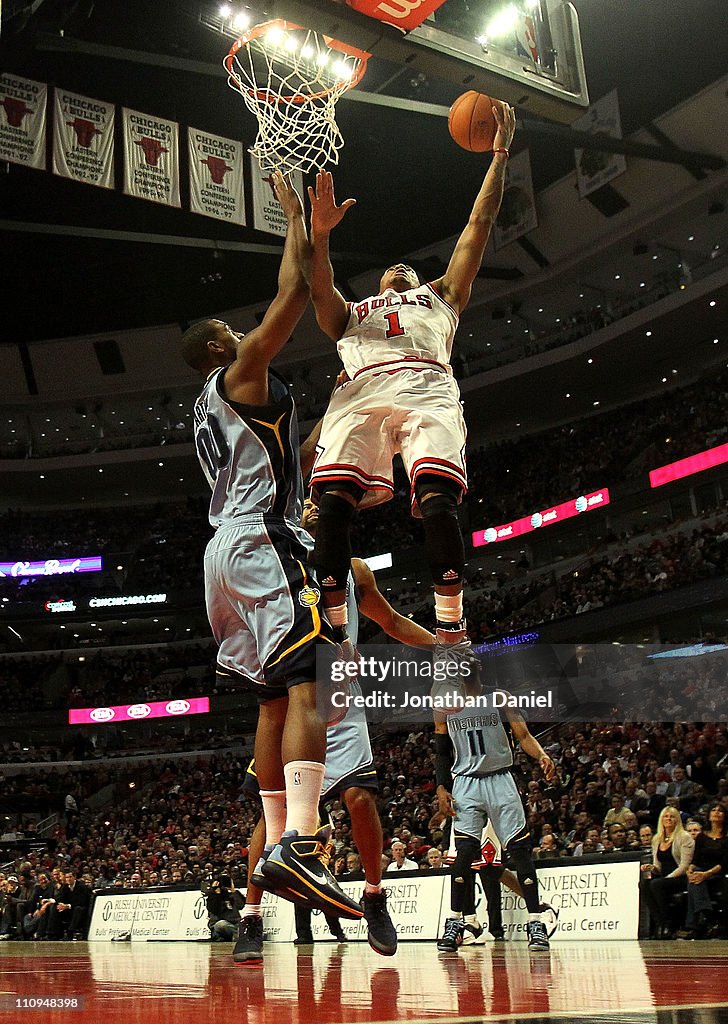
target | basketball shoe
x=258, y=879
x=549, y=916
x=300, y=864
x=537, y=936
x=248, y=950
x=472, y=930
x=381, y=932
x=452, y=935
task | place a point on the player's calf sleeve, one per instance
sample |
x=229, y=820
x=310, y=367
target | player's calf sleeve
x=462, y=880
x=443, y=539
x=332, y=552
x=521, y=859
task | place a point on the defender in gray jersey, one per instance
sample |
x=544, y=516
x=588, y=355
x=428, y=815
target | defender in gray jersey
x=350, y=771
x=261, y=601
x=480, y=788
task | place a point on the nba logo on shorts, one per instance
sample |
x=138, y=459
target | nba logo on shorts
x=296, y=778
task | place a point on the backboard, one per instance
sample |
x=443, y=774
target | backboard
x=527, y=52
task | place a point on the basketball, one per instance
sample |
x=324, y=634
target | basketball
x=471, y=122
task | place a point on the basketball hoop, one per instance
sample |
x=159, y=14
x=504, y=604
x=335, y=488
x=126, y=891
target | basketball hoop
x=291, y=78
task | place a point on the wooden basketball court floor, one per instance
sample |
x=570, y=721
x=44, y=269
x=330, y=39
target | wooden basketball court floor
x=192, y=983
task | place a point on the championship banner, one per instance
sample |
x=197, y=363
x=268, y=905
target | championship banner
x=404, y=14
x=151, y=157
x=83, y=139
x=216, y=176
x=267, y=212
x=23, y=121
x=517, y=215
x=595, y=167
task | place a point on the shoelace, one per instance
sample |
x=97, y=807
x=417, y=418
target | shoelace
x=452, y=928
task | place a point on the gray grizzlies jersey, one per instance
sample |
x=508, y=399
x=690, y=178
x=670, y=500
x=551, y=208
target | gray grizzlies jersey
x=481, y=742
x=249, y=453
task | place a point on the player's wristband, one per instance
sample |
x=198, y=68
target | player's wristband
x=501, y=149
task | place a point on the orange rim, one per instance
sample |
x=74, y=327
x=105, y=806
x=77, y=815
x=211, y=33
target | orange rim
x=269, y=97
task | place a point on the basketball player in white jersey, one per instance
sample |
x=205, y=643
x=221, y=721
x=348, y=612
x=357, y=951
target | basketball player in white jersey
x=402, y=397
x=350, y=774
x=260, y=600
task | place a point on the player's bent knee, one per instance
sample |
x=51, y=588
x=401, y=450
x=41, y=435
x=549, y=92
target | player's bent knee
x=347, y=490
x=359, y=800
x=436, y=495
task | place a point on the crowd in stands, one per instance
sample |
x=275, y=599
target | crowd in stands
x=190, y=822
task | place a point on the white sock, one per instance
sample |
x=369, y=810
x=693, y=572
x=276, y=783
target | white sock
x=449, y=607
x=338, y=614
x=304, y=780
x=252, y=910
x=274, y=812
x=534, y=917
x=370, y=888
x=471, y=919
x=456, y=914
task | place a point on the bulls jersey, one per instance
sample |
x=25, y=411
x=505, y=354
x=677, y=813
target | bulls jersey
x=416, y=326
x=481, y=742
x=249, y=453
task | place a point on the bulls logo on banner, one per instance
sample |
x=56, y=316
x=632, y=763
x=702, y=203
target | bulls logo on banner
x=23, y=121
x=83, y=139
x=151, y=157
x=596, y=167
x=517, y=215
x=216, y=176
x=267, y=212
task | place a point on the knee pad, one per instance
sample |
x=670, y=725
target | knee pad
x=521, y=859
x=443, y=537
x=332, y=551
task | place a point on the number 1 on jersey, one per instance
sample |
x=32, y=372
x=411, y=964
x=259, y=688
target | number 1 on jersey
x=395, y=329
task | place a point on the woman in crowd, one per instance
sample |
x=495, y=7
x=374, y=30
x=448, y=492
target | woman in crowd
x=672, y=854
x=707, y=876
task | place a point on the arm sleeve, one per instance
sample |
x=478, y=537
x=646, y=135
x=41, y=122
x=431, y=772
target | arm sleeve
x=443, y=760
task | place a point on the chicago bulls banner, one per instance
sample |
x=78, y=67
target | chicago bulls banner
x=517, y=215
x=83, y=139
x=151, y=157
x=405, y=14
x=23, y=121
x=216, y=176
x=267, y=212
x=595, y=167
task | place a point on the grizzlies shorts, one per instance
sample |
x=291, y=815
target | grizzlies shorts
x=263, y=604
x=482, y=798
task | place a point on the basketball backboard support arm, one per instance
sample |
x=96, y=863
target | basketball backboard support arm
x=558, y=92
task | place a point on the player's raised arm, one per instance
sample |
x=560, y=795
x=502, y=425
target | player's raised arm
x=258, y=348
x=529, y=744
x=456, y=283
x=377, y=608
x=443, y=768
x=332, y=310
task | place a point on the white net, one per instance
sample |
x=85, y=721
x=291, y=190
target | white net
x=291, y=78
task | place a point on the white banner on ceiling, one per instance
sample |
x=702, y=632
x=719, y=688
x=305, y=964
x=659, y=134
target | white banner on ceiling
x=517, y=215
x=23, y=121
x=216, y=176
x=595, y=167
x=267, y=212
x=83, y=139
x=151, y=157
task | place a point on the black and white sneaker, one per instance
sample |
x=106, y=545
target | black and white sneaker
x=452, y=935
x=550, y=917
x=537, y=935
x=381, y=932
x=472, y=930
x=298, y=867
x=248, y=950
x=258, y=879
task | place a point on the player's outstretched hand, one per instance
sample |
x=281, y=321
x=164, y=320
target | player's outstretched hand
x=325, y=214
x=287, y=195
x=505, y=119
